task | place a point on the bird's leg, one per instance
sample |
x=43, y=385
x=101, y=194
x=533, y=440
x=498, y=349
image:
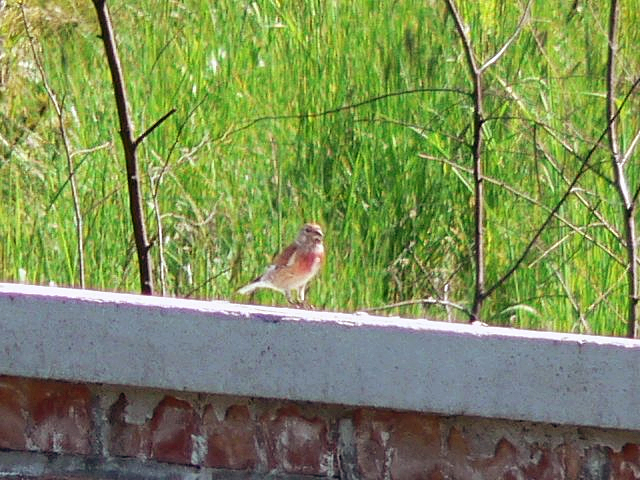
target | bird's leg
x=301, y=297
x=295, y=303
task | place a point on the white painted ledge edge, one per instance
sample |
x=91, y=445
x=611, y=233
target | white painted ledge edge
x=407, y=364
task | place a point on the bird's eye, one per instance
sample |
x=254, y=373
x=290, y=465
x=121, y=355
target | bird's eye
x=308, y=229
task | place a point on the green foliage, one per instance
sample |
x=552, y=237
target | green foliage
x=249, y=156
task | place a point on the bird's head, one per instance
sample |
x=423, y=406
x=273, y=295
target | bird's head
x=310, y=234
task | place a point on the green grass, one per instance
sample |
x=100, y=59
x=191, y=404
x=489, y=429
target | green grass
x=245, y=167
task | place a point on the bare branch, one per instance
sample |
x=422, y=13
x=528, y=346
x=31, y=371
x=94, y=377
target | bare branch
x=612, y=121
x=582, y=231
x=632, y=147
x=464, y=36
x=129, y=145
x=67, y=149
x=627, y=202
x=351, y=106
x=506, y=45
x=478, y=173
x=423, y=301
x=154, y=126
x=581, y=171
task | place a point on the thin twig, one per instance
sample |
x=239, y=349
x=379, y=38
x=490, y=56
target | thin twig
x=506, y=45
x=630, y=150
x=86, y=151
x=154, y=126
x=67, y=149
x=627, y=202
x=584, y=200
x=579, y=230
x=583, y=168
x=572, y=300
x=604, y=295
x=351, y=106
x=207, y=281
x=423, y=301
x=547, y=128
x=181, y=127
x=159, y=231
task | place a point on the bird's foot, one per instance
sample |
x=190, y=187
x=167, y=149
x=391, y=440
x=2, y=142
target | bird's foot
x=305, y=305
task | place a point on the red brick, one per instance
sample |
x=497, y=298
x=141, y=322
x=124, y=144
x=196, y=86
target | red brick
x=172, y=428
x=371, y=456
x=502, y=465
x=126, y=439
x=457, y=445
x=13, y=425
x=543, y=464
x=297, y=444
x=397, y=445
x=570, y=458
x=232, y=441
x=61, y=413
x=437, y=474
x=459, y=454
x=57, y=414
x=626, y=463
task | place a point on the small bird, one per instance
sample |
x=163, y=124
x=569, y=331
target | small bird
x=295, y=266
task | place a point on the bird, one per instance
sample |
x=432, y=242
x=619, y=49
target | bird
x=295, y=266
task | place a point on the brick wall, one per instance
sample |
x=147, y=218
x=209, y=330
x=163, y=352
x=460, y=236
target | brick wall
x=59, y=430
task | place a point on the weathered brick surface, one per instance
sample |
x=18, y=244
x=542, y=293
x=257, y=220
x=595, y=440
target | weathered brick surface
x=173, y=429
x=231, y=440
x=296, y=443
x=167, y=436
x=45, y=415
x=396, y=445
x=625, y=464
x=126, y=439
x=13, y=424
x=94, y=424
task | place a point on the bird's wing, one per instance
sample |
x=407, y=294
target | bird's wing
x=286, y=257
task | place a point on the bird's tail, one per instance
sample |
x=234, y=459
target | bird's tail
x=253, y=286
x=249, y=288
x=257, y=284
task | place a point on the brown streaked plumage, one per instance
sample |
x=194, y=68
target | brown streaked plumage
x=295, y=266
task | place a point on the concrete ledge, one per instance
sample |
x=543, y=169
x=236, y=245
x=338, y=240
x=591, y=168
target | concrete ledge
x=224, y=348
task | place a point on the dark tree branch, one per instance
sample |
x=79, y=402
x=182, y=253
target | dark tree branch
x=476, y=74
x=478, y=180
x=129, y=145
x=148, y=131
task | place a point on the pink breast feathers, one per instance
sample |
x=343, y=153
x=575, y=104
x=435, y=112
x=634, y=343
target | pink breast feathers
x=310, y=262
